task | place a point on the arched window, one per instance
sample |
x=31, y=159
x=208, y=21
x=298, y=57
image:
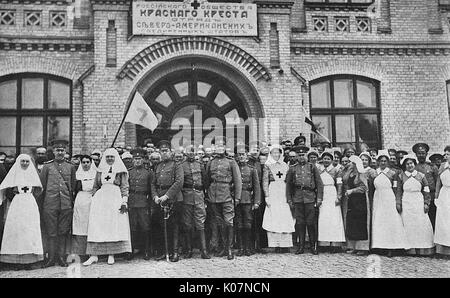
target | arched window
x=346, y=109
x=34, y=110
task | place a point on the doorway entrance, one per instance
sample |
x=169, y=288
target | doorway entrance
x=193, y=97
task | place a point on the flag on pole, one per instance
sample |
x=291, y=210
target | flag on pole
x=313, y=126
x=140, y=113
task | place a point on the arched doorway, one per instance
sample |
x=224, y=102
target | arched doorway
x=180, y=97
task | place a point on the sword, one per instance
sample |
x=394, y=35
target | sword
x=166, y=210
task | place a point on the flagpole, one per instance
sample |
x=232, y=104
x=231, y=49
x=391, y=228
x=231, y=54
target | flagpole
x=123, y=119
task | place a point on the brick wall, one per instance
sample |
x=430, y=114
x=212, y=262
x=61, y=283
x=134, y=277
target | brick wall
x=411, y=71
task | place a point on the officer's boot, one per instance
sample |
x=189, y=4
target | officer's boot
x=229, y=243
x=61, y=259
x=146, y=238
x=301, y=235
x=248, y=242
x=188, y=237
x=203, y=251
x=312, y=238
x=176, y=255
x=241, y=240
x=51, y=252
x=223, y=251
x=214, y=240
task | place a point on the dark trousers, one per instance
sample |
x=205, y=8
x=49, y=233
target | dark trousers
x=259, y=235
x=432, y=211
x=173, y=227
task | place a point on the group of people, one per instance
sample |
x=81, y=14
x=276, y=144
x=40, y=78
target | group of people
x=163, y=202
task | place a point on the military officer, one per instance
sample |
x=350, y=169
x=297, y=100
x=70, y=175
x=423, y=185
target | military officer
x=58, y=182
x=304, y=192
x=258, y=234
x=166, y=192
x=194, y=208
x=224, y=192
x=250, y=201
x=140, y=181
x=431, y=174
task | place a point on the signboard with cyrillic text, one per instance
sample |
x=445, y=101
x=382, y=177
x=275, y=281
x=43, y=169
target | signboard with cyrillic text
x=194, y=17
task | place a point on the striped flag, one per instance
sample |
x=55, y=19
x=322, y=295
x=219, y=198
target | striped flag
x=313, y=126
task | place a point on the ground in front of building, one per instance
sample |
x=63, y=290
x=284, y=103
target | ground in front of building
x=269, y=265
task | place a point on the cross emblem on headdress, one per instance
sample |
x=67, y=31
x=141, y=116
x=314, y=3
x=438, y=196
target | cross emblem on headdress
x=25, y=189
x=279, y=174
x=108, y=178
x=195, y=4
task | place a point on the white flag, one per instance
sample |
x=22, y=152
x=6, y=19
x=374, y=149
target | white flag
x=140, y=113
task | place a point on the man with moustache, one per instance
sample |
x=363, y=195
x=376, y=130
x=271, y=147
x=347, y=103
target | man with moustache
x=166, y=192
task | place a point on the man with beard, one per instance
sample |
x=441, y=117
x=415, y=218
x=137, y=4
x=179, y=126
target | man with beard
x=250, y=201
x=41, y=158
x=224, y=193
x=431, y=174
x=127, y=159
x=194, y=208
x=166, y=192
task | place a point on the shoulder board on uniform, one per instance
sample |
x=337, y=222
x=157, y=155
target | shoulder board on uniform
x=49, y=161
x=129, y=169
x=293, y=165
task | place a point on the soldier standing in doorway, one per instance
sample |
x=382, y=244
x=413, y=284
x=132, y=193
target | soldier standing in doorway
x=304, y=192
x=224, y=193
x=58, y=182
x=166, y=192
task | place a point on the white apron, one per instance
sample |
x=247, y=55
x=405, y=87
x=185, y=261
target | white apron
x=442, y=228
x=419, y=230
x=277, y=216
x=81, y=208
x=387, y=227
x=106, y=223
x=22, y=232
x=331, y=224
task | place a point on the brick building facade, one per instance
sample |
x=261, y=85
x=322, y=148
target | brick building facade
x=379, y=78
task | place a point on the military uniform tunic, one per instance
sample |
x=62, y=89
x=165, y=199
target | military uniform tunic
x=250, y=195
x=224, y=187
x=58, y=181
x=431, y=173
x=168, y=180
x=194, y=212
x=304, y=188
x=140, y=180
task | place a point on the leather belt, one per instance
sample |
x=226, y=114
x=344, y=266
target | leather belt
x=138, y=192
x=163, y=187
x=304, y=188
x=194, y=187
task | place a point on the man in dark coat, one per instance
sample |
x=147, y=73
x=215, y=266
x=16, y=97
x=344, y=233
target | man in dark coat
x=166, y=192
x=250, y=201
x=58, y=182
x=194, y=207
x=224, y=193
x=140, y=180
x=304, y=192
x=431, y=173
